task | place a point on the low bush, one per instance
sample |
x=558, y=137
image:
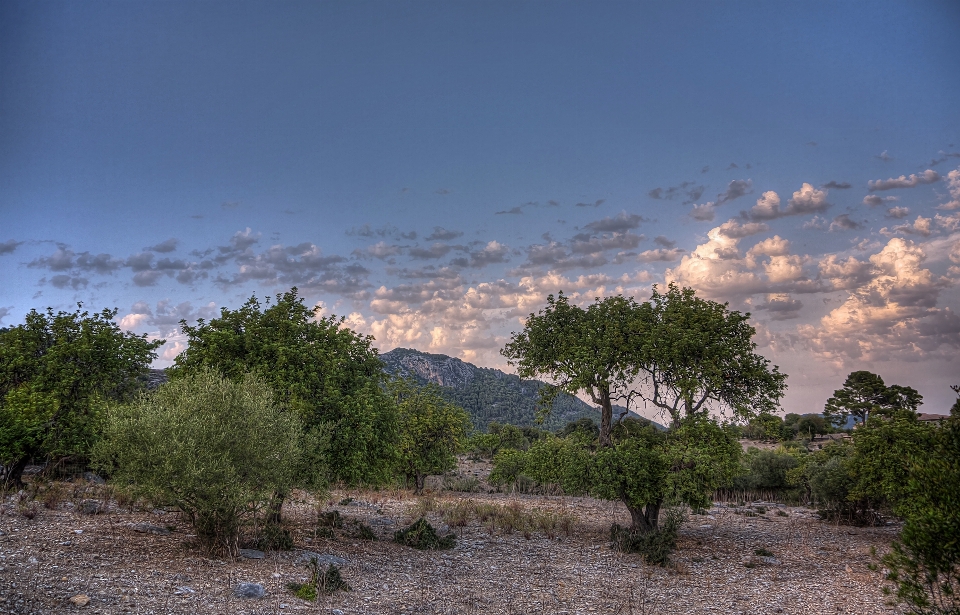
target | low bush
x=655, y=547
x=217, y=449
x=421, y=535
x=331, y=519
x=321, y=582
x=273, y=537
x=359, y=530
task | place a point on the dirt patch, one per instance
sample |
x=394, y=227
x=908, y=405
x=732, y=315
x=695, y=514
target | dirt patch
x=125, y=561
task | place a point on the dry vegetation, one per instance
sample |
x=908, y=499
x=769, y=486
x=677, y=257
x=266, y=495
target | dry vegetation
x=514, y=554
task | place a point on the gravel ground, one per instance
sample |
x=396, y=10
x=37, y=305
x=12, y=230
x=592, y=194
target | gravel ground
x=110, y=559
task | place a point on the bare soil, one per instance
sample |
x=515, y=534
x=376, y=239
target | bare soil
x=61, y=553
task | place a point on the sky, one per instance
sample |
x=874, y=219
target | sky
x=431, y=171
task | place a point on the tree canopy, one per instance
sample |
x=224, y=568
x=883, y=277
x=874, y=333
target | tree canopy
x=682, y=354
x=324, y=371
x=864, y=393
x=55, y=369
x=590, y=351
x=696, y=355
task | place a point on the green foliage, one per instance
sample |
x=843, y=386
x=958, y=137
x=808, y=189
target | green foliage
x=274, y=537
x=644, y=468
x=655, y=547
x=925, y=563
x=327, y=373
x=359, y=530
x=886, y=451
x=432, y=430
x=321, y=582
x=56, y=370
x=331, y=519
x=585, y=426
x=590, y=351
x=864, y=393
x=810, y=425
x=688, y=355
x=766, y=427
x=217, y=449
x=697, y=355
x=766, y=470
x=421, y=535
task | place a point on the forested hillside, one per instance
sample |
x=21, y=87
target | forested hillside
x=488, y=395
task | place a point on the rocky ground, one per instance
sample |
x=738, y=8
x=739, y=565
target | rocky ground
x=124, y=559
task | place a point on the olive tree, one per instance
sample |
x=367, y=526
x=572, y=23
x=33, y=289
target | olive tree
x=56, y=371
x=216, y=448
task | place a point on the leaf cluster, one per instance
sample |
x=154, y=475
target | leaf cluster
x=56, y=370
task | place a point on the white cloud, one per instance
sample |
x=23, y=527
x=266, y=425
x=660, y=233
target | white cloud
x=921, y=226
x=904, y=181
x=953, y=185
x=807, y=200
x=767, y=207
x=894, y=314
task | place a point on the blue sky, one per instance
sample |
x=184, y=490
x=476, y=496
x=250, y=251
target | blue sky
x=432, y=170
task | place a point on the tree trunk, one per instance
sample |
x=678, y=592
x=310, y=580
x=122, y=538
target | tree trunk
x=645, y=519
x=276, y=505
x=419, y=480
x=606, y=418
x=14, y=473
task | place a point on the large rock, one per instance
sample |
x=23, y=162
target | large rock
x=249, y=590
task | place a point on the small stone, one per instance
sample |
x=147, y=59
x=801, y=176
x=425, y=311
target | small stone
x=252, y=554
x=80, y=600
x=184, y=591
x=249, y=590
x=336, y=612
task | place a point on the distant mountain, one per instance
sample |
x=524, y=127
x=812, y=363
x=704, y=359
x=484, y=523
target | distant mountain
x=488, y=395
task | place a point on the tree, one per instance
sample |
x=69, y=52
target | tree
x=864, y=393
x=316, y=366
x=697, y=356
x=811, y=425
x=431, y=430
x=56, y=369
x=685, y=355
x=764, y=427
x=925, y=563
x=590, y=351
x=216, y=448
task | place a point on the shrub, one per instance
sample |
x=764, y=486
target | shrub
x=765, y=470
x=359, y=530
x=421, y=535
x=331, y=519
x=655, y=547
x=217, y=449
x=325, y=582
x=274, y=537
